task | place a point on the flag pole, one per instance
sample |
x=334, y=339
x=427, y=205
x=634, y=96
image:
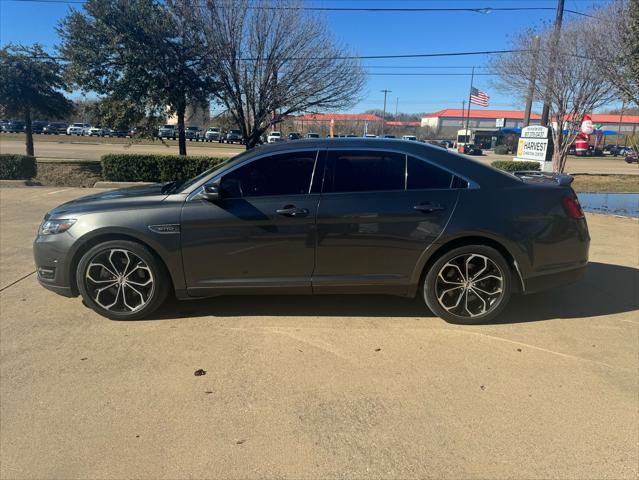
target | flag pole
x=470, y=92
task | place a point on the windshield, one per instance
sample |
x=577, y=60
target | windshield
x=167, y=126
x=235, y=131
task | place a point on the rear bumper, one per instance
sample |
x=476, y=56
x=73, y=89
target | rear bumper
x=555, y=278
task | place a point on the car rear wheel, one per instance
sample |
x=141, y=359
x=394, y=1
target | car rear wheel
x=468, y=285
x=122, y=280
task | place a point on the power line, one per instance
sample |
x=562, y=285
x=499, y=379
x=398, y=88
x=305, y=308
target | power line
x=365, y=57
x=439, y=74
x=422, y=66
x=483, y=10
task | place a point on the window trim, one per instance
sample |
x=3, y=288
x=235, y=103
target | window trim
x=197, y=190
x=472, y=185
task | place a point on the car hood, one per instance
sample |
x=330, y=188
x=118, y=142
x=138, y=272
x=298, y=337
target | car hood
x=124, y=198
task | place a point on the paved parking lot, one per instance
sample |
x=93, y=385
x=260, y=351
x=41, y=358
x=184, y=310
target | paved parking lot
x=93, y=148
x=86, y=148
x=318, y=387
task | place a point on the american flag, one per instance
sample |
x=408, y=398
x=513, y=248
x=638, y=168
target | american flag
x=478, y=97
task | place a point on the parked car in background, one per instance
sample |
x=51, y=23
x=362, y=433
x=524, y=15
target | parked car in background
x=369, y=135
x=117, y=132
x=234, y=136
x=38, y=126
x=622, y=151
x=399, y=218
x=274, y=137
x=294, y=136
x=168, y=131
x=446, y=143
x=312, y=135
x=96, y=131
x=77, y=128
x=55, y=128
x=409, y=137
x=192, y=133
x=14, y=126
x=213, y=134
x=389, y=136
x=472, y=149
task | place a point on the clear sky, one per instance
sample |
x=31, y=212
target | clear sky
x=375, y=33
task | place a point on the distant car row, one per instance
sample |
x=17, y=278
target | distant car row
x=62, y=128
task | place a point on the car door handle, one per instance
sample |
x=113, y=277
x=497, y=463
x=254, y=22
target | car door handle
x=428, y=207
x=292, y=211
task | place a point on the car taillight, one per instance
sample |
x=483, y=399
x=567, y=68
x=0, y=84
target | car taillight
x=571, y=204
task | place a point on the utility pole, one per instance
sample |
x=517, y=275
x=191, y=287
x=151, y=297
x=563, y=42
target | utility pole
x=385, y=92
x=463, y=112
x=396, y=106
x=556, y=35
x=623, y=107
x=532, y=81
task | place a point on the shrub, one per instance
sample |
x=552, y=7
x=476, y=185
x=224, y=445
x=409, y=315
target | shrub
x=17, y=167
x=153, y=168
x=515, y=166
x=502, y=150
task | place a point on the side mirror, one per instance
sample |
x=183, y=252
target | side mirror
x=211, y=192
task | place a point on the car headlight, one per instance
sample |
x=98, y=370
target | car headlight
x=51, y=227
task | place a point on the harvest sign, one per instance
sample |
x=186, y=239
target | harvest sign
x=536, y=144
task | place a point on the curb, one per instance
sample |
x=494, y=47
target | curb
x=19, y=183
x=103, y=184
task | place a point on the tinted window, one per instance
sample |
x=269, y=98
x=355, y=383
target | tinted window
x=284, y=174
x=423, y=175
x=365, y=171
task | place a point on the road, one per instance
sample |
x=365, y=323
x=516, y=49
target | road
x=318, y=387
x=93, y=149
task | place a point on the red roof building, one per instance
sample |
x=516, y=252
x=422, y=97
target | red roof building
x=339, y=117
x=446, y=122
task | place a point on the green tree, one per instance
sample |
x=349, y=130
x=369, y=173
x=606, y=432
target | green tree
x=32, y=84
x=143, y=55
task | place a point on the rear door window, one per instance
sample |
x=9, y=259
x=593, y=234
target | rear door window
x=422, y=175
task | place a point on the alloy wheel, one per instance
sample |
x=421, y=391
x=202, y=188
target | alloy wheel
x=119, y=281
x=469, y=285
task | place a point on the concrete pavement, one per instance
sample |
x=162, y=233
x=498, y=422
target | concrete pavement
x=318, y=387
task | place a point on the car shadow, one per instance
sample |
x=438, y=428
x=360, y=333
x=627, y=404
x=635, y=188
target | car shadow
x=604, y=289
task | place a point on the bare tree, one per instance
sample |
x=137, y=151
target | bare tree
x=272, y=60
x=574, y=85
x=614, y=34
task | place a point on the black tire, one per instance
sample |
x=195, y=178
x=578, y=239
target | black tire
x=447, y=287
x=155, y=293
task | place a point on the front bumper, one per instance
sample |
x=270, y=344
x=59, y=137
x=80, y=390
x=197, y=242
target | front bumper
x=51, y=256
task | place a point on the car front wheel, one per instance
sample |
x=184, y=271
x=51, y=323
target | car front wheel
x=122, y=280
x=468, y=285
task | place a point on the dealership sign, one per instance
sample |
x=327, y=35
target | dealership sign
x=535, y=144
